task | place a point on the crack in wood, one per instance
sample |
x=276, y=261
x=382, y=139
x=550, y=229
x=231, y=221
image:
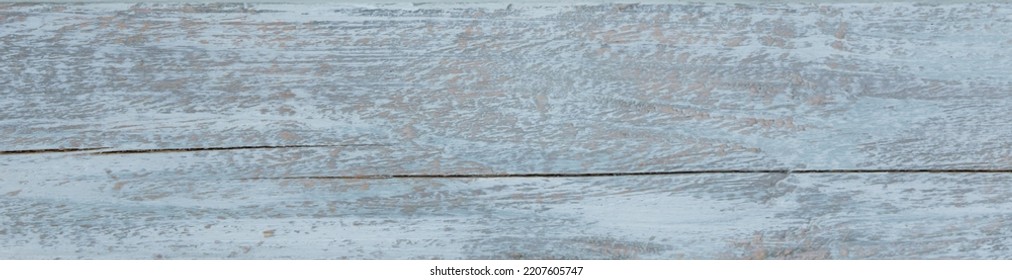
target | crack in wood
x=656, y=173
x=54, y=150
x=176, y=150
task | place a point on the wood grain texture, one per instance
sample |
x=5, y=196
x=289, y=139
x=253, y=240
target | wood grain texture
x=526, y=130
x=752, y=216
x=605, y=88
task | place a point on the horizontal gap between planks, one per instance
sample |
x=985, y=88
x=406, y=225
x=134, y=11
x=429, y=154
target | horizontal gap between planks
x=104, y=151
x=618, y=174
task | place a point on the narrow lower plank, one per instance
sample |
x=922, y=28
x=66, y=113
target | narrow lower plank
x=711, y=216
x=452, y=88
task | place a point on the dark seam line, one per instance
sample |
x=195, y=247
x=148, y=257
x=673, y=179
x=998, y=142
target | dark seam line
x=57, y=150
x=172, y=150
x=177, y=150
x=618, y=174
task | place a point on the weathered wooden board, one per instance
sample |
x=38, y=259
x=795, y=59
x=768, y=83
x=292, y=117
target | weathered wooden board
x=522, y=88
x=761, y=216
x=524, y=130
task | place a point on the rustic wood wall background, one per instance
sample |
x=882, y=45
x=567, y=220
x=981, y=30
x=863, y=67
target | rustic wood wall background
x=514, y=131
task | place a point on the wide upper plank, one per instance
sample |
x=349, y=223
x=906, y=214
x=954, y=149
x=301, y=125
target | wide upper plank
x=441, y=88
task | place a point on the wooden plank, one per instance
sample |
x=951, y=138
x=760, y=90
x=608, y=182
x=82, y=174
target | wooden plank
x=506, y=131
x=752, y=216
x=444, y=88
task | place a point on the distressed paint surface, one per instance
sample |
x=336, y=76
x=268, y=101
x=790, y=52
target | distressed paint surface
x=392, y=131
x=757, y=216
